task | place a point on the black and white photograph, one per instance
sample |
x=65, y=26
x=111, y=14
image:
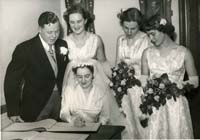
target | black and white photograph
x=99, y=69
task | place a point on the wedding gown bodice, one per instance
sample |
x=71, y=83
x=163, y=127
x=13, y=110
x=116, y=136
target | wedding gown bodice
x=93, y=107
x=88, y=50
x=75, y=102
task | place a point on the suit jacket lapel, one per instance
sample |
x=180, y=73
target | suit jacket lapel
x=41, y=54
x=58, y=56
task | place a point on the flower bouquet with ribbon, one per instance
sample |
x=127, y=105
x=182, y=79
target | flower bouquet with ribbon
x=122, y=78
x=156, y=93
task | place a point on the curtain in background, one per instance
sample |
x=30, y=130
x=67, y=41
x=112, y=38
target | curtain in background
x=189, y=20
x=152, y=7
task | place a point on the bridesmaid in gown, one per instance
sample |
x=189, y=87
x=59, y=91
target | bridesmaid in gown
x=130, y=47
x=84, y=45
x=172, y=121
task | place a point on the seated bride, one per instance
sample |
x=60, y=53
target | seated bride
x=84, y=98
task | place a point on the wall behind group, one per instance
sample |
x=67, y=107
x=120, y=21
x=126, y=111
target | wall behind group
x=18, y=22
x=107, y=24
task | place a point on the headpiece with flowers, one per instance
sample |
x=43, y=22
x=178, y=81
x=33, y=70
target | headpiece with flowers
x=122, y=79
x=82, y=63
x=156, y=22
x=156, y=93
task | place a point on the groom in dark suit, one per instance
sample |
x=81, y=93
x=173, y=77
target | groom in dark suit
x=33, y=80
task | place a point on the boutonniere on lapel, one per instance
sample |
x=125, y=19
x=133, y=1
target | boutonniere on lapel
x=64, y=51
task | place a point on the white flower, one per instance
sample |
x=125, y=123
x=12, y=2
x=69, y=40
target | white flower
x=179, y=85
x=111, y=84
x=156, y=98
x=123, y=82
x=116, y=68
x=63, y=50
x=143, y=116
x=161, y=86
x=114, y=74
x=119, y=89
x=150, y=91
x=163, y=21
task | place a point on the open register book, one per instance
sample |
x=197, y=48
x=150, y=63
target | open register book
x=52, y=126
x=42, y=125
x=33, y=135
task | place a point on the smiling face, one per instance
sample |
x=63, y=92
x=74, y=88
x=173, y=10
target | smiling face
x=156, y=37
x=84, y=77
x=77, y=23
x=130, y=28
x=50, y=32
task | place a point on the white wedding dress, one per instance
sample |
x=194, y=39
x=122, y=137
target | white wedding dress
x=172, y=121
x=95, y=108
x=87, y=53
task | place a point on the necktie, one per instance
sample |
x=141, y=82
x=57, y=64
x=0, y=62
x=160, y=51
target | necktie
x=54, y=64
x=51, y=52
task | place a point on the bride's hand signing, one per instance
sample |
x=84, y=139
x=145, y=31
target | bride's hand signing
x=79, y=121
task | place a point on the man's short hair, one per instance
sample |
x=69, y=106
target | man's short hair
x=46, y=18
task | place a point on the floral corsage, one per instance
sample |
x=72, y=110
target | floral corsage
x=64, y=51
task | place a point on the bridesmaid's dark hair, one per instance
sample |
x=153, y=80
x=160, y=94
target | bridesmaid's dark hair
x=131, y=14
x=78, y=9
x=155, y=23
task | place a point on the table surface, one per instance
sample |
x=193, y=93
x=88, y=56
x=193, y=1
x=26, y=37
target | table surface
x=107, y=132
x=104, y=132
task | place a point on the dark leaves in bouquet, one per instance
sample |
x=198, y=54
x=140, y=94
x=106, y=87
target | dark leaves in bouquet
x=157, y=91
x=144, y=122
x=122, y=78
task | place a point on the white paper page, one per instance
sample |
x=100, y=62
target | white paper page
x=67, y=127
x=60, y=136
x=18, y=135
x=47, y=123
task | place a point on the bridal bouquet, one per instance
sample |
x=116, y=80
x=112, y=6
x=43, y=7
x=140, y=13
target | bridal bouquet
x=156, y=93
x=122, y=78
